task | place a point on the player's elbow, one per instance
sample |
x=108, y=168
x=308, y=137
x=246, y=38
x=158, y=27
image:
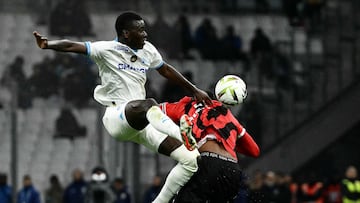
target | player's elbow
x=256, y=152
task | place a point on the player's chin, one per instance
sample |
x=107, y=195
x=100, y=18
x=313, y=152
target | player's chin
x=140, y=45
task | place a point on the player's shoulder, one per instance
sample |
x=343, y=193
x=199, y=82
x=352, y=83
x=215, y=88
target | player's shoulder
x=104, y=44
x=148, y=46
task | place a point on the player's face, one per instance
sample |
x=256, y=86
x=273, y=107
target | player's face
x=137, y=35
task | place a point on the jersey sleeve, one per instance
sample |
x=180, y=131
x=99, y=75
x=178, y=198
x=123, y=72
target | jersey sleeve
x=96, y=50
x=173, y=110
x=246, y=145
x=157, y=60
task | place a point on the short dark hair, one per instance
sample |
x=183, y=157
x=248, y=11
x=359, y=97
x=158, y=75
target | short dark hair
x=119, y=180
x=3, y=179
x=26, y=177
x=123, y=21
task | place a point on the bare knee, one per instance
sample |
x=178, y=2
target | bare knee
x=148, y=103
x=141, y=106
x=135, y=112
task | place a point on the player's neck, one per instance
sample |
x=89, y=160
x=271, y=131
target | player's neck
x=123, y=41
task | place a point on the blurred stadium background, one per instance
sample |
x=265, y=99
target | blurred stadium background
x=302, y=72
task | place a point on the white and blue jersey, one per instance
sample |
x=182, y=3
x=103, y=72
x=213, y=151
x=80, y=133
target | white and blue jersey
x=122, y=70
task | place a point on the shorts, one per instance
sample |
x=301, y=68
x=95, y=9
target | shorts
x=115, y=123
x=218, y=180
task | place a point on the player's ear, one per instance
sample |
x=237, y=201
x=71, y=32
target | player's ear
x=126, y=33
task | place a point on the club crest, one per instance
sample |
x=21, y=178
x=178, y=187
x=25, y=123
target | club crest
x=133, y=58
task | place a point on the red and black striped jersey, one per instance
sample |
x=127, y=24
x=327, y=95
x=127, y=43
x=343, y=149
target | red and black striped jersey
x=214, y=119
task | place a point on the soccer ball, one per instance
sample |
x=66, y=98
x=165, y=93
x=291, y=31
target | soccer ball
x=230, y=90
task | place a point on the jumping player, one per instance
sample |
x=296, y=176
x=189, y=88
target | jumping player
x=129, y=116
x=219, y=136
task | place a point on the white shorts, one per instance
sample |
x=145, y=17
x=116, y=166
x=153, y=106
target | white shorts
x=117, y=126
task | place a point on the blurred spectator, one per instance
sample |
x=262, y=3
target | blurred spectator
x=73, y=89
x=312, y=11
x=43, y=81
x=260, y=43
x=311, y=190
x=332, y=191
x=261, y=6
x=350, y=187
x=120, y=191
x=70, y=18
x=232, y=47
x=206, y=40
x=77, y=79
x=293, y=187
x=173, y=92
x=281, y=71
x=255, y=185
x=54, y=193
x=99, y=189
x=294, y=12
x=15, y=72
x=182, y=27
x=284, y=183
x=67, y=126
x=271, y=190
x=232, y=42
x=228, y=6
x=28, y=194
x=75, y=191
x=281, y=68
x=153, y=190
x=5, y=190
x=162, y=35
x=261, y=51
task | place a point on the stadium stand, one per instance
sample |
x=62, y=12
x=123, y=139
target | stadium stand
x=326, y=69
x=39, y=153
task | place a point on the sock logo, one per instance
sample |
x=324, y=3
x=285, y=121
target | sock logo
x=121, y=116
x=164, y=119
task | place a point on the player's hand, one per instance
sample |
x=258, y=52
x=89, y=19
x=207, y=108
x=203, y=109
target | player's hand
x=41, y=41
x=202, y=96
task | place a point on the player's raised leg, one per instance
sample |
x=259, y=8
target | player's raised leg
x=139, y=113
x=181, y=173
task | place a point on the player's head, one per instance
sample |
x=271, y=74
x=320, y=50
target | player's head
x=130, y=29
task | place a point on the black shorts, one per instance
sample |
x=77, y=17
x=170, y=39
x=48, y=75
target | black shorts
x=217, y=180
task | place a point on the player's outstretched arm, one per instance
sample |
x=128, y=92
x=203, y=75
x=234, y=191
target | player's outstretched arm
x=59, y=45
x=172, y=74
x=246, y=145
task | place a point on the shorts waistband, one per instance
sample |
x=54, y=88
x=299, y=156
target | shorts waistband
x=212, y=154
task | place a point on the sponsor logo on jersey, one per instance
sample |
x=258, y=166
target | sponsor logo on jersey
x=122, y=48
x=124, y=66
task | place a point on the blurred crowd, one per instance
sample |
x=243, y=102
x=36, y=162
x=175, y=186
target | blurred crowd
x=277, y=187
x=99, y=188
x=63, y=76
x=268, y=187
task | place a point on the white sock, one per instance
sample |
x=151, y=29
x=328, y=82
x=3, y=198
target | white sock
x=177, y=177
x=180, y=174
x=162, y=122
